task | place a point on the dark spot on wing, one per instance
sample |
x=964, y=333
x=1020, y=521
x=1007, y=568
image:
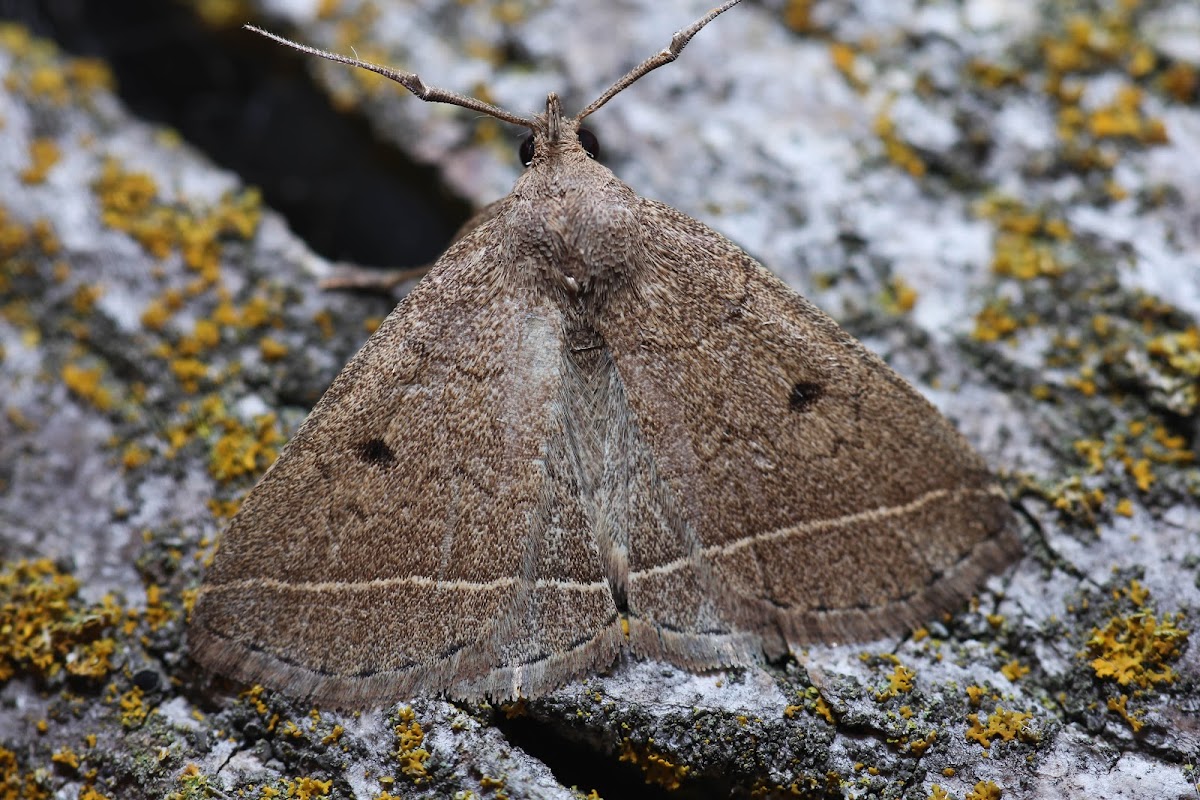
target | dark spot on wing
x=376, y=452
x=804, y=394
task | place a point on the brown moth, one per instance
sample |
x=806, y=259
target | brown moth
x=596, y=427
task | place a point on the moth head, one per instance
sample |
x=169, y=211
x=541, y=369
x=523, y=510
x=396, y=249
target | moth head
x=555, y=133
x=548, y=133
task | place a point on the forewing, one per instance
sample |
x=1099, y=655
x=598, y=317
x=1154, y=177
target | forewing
x=811, y=492
x=423, y=531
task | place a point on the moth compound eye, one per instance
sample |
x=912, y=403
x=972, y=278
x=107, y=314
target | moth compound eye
x=590, y=143
x=527, y=150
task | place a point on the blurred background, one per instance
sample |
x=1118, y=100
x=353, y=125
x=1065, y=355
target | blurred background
x=251, y=106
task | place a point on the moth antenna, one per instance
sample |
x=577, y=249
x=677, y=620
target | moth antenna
x=409, y=80
x=678, y=42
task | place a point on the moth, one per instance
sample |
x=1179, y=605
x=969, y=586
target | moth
x=595, y=428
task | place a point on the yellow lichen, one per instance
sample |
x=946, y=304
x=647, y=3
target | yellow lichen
x=307, y=788
x=985, y=790
x=1002, y=724
x=897, y=150
x=129, y=202
x=900, y=681
x=272, y=349
x=44, y=631
x=1118, y=705
x=43, y=155
x=410, y=737
x=995, y=322
x=1134, y=649
x=657, y=768
x=85, y=384
x=244, y=449
x=1014, y=670
x=133, y=708
x=899, y=297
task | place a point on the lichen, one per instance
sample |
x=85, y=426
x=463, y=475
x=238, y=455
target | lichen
x=1003, y=724
x=410, y=750
x=1135, y=649
x=656, y=767
x=45, y=630
x=985, y=790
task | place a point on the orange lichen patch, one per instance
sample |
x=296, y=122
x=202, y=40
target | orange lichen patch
x=49, y=83
x=1027, y=242
x=995, y=322
x=897, y=150
x=1014, y=670
x=158, y=612
x=900, y=681
x=1092, y=451
x=656, y=767
x=189, y=372
x=17, y=785
x=822, y=708
x=89, y=75
x=918, y=746
x=129, y=202
x=1002, y=724
x=324, y=323
x=66, y=756
x=489, y=784
x=14, y=237
x=1178, y=353
x=272, y=349
x=1118, y=704
x=159, y=310
x=134, y=455
x=126, y=198
x=898, y=297
x=43, y=631
x=1123, y=117
x=41, y=73
x=85, y=384
x=409, y=750
x=1074, y=499
x=304, y=789
x=43, y=155
x=1181, y=81
x=133, y=708
x=991, y=75
x=205, y=336
x=84, y=298
x=797, y=15
x=844, y=57
x=245, y=450
x=985, y=790
x=210, y=417
x=1134, y=649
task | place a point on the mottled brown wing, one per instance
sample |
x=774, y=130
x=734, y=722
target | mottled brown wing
x=423, y=530
x=803, y=489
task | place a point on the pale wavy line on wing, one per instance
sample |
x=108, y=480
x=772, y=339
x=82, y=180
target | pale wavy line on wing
x=871, y=515
x=407, y=580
